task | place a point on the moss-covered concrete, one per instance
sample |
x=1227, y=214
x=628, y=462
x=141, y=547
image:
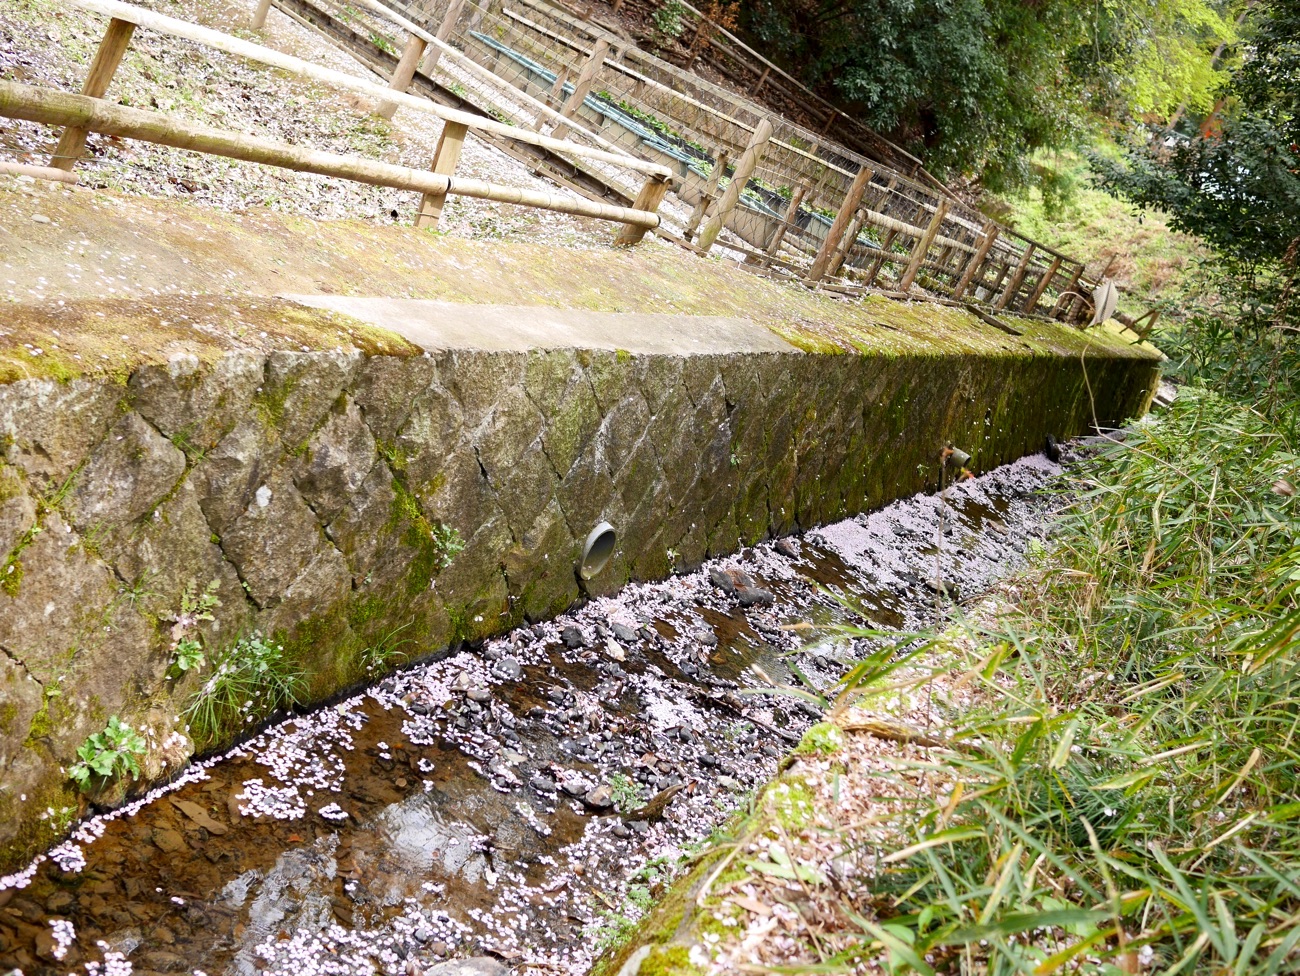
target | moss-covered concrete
x=345, y=489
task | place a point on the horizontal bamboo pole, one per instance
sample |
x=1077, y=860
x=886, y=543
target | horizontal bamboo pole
x=50, y=107
x=39, y=172
x=911, y=230
x=306, y=69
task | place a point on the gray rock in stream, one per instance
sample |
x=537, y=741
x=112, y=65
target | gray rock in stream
x=625, y=634
x=754, y=596
x=787, y=548
x=508, y=669
x=601, y=798
x=722, y=580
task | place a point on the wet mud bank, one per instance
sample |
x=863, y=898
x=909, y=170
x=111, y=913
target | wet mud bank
x=525, y=799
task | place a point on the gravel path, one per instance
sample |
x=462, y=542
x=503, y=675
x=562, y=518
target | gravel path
x=44, y=43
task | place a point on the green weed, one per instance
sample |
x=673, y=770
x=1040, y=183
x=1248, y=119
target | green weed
x=187, y=647
x=252, y=681
x=108, y=754
x=387, y=651
x=667, y=20
x=627, y=795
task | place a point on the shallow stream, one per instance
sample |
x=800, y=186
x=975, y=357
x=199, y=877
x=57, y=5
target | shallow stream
x=506, y=799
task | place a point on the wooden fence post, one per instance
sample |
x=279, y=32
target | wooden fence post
x=73, y=140
x=555, y=97
x=1016, y=279
x=880, y=261
x=403, y=73
x=791, y=214
x=922, y=246
x=975, y=266
x=1032, y=301
x=649, y=197
x=846, y=243
x=708, y=196
x=445, y=158
x=444, y=31
x=259, y=15
x=701, y=38
x=731, y=196
x=1003, y=268
x=847, y=209
x=1065, y=301
x=1080, y=306
x=582, y=87
x=767, y=70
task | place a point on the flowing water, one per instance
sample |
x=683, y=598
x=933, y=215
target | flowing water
x=508, y=798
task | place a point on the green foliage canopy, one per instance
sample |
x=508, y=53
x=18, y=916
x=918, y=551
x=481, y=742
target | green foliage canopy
x=978, y=85
x=1237, y=186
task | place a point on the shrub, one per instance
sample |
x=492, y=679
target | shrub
x=667, y=20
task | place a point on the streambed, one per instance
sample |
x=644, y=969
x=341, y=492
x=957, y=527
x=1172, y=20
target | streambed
x=506, y=799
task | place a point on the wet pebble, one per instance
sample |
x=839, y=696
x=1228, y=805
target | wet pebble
x=600, y=798
x=575, y=786
x=787, y=548
x=723, y=580
x=572, y=637
x=168, y=840
x=754, y=596
x=624, y=634
x=508, y=669
x=542, y=784
x=479, y=695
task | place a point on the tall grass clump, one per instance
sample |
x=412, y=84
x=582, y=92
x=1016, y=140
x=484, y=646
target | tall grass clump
x=1126, y=796
x=252, y=680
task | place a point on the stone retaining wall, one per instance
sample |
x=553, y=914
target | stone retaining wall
x=323, y=493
